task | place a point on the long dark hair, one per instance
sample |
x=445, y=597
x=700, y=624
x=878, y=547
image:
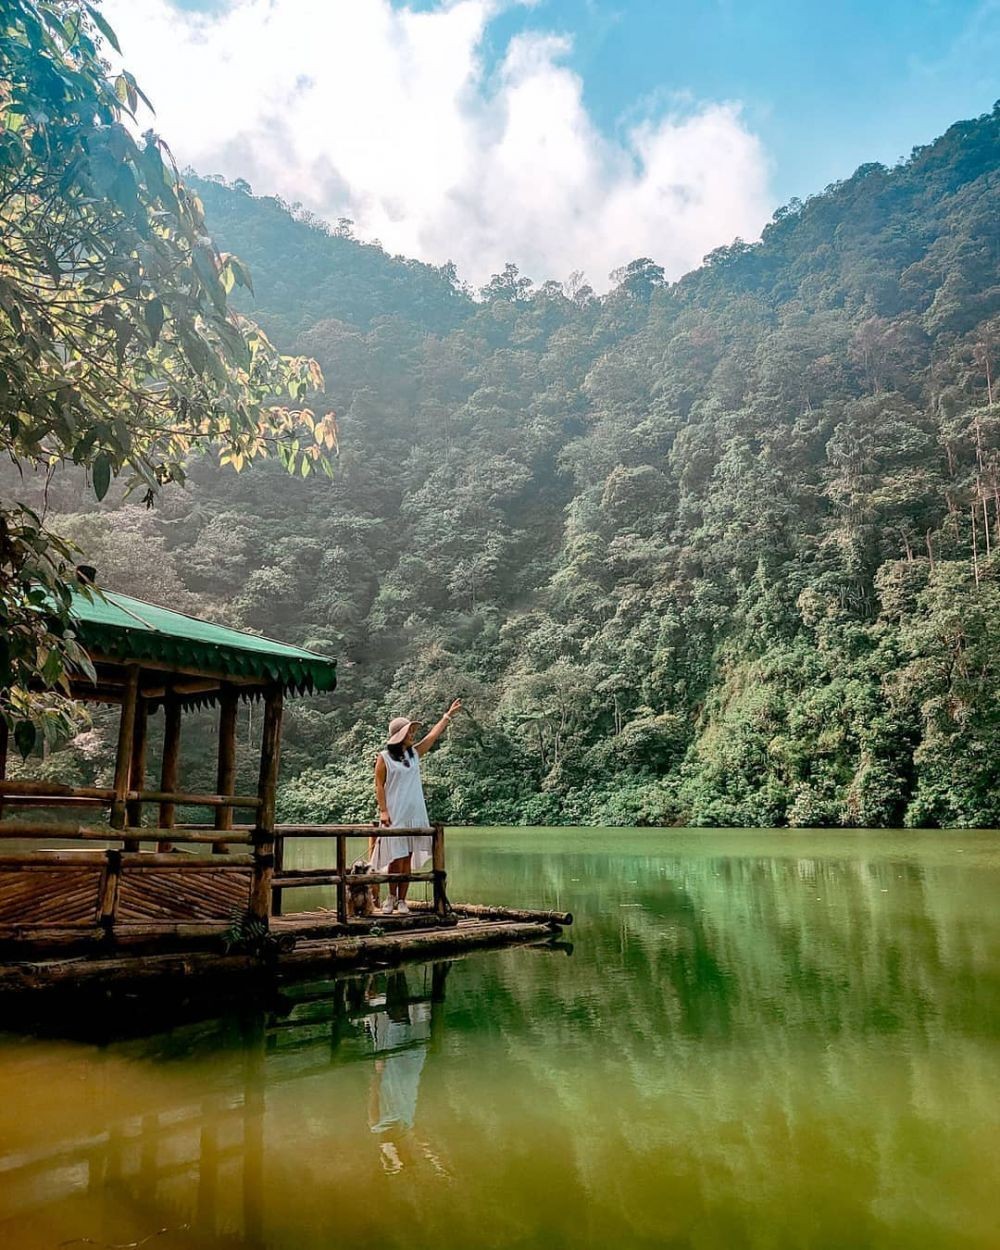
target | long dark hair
x=401, y=754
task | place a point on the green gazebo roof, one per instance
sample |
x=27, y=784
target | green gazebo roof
x=121, y=628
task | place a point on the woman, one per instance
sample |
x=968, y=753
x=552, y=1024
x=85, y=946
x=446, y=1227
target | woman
x=401, y=805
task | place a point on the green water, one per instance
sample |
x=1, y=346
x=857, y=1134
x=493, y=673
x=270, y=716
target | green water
x=757, y=1040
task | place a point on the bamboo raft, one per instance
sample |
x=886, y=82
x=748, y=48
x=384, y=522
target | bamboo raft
x=128, y=895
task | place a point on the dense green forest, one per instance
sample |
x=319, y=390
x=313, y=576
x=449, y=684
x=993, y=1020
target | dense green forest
x=718, y=552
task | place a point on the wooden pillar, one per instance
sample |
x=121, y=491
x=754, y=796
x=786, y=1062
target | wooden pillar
x=440, y=876
x=170, y=764
x=270, y=750
x=119, y=813
x=137, y=769
x=341, y=873
x=226, y=774
x=123, y=759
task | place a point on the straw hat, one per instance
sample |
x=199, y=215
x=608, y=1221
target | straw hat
x=399, y=727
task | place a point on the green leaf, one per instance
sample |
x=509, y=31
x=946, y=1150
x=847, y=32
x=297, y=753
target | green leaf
x=102, y=474
x=101, y=23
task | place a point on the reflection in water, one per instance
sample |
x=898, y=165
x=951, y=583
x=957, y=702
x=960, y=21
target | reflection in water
x=781, y=1041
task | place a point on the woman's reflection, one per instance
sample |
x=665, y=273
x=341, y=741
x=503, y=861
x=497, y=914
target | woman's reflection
x=399, y=1024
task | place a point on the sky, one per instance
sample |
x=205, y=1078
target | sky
x=563, y=135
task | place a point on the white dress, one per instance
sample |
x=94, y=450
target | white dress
x=404, y=797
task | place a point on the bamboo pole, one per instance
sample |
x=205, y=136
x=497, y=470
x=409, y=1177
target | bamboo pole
x=226, y=772
x=108, y=904
x=270, y=752
x=123, y=758
x=195, y=800
x=341, y=878
x=352, y=831
x=11, y=788
x=480, y=911
x=104, y=833
x=137, y=768
x=279, y=867
x=169, y=767
x=289, y=882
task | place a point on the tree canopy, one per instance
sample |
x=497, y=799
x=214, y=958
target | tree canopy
x=119, y=351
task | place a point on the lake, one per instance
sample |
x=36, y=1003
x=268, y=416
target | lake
x=747, y=1039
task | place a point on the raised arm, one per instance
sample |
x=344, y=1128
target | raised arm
x=425, y=743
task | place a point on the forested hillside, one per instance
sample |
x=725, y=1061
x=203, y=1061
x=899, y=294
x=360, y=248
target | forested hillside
x=718, y=552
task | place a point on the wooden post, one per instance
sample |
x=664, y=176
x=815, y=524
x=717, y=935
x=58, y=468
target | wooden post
x=169, y=766
x=341, y=873
x=440, y=897
x=279, y=864
x=226, y=774
x=137, y=768
x=270, y=750
x=123, y=760
x=109, y=890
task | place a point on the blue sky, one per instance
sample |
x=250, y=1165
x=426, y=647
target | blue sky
x=561, y=134
x=826, y=86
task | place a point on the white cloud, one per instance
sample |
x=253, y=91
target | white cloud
x=389, y=116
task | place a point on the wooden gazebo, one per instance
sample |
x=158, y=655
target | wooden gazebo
x=115, y=880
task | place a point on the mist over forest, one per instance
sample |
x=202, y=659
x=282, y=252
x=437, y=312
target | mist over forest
x=716, y=552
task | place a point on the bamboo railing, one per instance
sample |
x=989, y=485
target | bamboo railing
x=338, y=874
x=264, y=856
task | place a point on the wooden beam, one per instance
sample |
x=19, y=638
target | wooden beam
x=352, y=831
x=184, y=863
x=123, y=758
x=288, y=881
x=54, y=859
x=54, y=787
x=267, y=786
x=225, y=782
x=195, y=800
x=63, y=830
x=169, y=767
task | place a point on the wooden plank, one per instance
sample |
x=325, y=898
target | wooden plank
x=56, y=894
x=270, y=754
x=215, y=893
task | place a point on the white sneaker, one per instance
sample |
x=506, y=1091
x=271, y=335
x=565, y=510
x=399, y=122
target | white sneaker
x=401, y=907
x=388, y=906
